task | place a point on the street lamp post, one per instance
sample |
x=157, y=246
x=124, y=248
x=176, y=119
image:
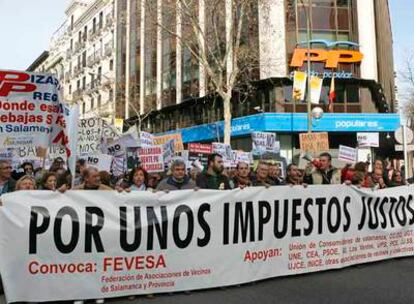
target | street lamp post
x=308, y=95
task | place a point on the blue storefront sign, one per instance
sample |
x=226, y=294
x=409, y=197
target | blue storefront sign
x=293, y=123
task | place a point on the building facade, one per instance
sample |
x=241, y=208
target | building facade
x=169, y=88
x=82, y=55
x=115, y=60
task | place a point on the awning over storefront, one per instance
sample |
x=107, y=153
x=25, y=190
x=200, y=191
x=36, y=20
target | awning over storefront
x=293, y=123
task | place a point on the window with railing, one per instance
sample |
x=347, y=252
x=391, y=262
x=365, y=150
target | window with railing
x=100, y=20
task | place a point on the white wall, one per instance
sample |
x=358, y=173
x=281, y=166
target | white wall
x=272, y=39
x=367, y=39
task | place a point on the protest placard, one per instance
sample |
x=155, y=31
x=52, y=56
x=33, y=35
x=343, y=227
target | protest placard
x=367, y=139
x=162, y=139
x=147, y=139
x=314, y=142
x=31, y=110
x=102, y=162
x=200, y=152
x=168, y=151
x=264, y=142
x=89, y=136
x=348, y=154
x=225, y=151
x=151, y=158
x=159, y=239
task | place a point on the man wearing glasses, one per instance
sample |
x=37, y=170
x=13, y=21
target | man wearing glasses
x=7, y=184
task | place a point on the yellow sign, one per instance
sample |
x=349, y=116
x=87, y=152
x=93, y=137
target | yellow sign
x=178, y=144
x=119, y=125
x=314, y=142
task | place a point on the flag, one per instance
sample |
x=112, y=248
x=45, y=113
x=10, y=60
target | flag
x=299, y=86
x=316, y=89
x=72, y=136
x=332, y=95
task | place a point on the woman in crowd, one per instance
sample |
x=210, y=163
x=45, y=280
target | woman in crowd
x=397, y=179
x=153, y=180
x=137, y=180
x=26, y=183
x=379, y=165
x=49, y=181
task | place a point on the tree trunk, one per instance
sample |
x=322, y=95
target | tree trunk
x=227, y=118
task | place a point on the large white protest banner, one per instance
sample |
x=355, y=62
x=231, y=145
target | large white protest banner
x=31, y=110
x=102, y=244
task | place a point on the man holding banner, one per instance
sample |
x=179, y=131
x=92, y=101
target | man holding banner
x=178, y=179
x=7, y=184
x=213, y=177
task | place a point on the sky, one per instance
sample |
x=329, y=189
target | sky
x=27, y=26
x=402, y=22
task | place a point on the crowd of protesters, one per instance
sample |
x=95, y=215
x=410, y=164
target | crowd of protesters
x=318, y=172
x=214, y=176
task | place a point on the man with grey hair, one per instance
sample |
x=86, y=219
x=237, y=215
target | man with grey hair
x=178, y=180
x=7, y=184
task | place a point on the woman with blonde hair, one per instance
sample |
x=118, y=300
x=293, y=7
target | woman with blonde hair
x=26, y=183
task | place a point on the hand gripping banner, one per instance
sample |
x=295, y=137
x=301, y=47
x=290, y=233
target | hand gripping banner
x=93, y=244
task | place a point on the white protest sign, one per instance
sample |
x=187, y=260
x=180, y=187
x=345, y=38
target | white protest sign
x=147, y=139
x=109, y=131
x=31, y=110
x=102, y=162
x=6, y=154
x=115, y=148
x=241, y=156
x=119, y=165
x=89, y=136
x=368, y=139
x=147, y=243
x=225, y=151
x=348, y=154
x=264, y=142
x=152, y=158
x=245, y=157
x=168, y=151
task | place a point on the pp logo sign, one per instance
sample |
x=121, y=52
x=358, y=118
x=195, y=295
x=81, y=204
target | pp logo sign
x=332, y=58
x=11, y=81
